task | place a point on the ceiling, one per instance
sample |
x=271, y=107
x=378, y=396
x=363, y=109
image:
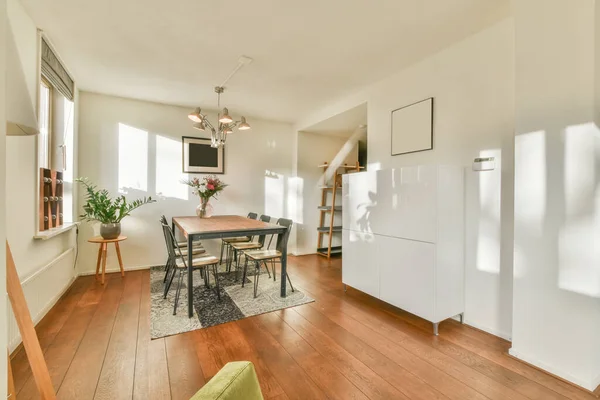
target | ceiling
x=306, y=53
x=344, y=124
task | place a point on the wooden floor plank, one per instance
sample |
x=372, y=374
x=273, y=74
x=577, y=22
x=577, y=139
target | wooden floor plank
x=328, y=378
x=185, y=373
x=537, y=383
x=151, y=371
x=61, y=351
x=343, y=346
x=48, y=328
x=295, y=382
x=82, y=377
x=422, y=360
x=230, y=337
x=117, y=375
x=380, y=320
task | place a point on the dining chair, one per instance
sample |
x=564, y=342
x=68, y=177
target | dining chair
x=240, y=248
x=200, y=262
x=227, y=241
x=196, y=249
x=262, y=256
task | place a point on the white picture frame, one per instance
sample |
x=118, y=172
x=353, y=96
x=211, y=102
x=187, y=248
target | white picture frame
x=412, y=128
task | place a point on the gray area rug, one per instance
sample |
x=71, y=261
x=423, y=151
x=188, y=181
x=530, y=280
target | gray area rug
x=236, y=302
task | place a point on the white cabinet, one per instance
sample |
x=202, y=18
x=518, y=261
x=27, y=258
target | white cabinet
x=405, y=226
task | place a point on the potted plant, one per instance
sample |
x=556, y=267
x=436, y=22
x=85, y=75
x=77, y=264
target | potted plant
x=207, y=188
x=99, y=206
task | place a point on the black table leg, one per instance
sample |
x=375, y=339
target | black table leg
x=190, y=278
x=283, y=270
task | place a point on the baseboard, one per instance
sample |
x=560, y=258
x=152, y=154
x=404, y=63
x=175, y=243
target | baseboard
x=302, y=253
x=557, y=373
x=113, y=270
x=495, y=332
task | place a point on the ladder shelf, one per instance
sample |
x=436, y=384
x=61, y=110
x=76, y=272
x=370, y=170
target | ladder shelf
x=328, y=206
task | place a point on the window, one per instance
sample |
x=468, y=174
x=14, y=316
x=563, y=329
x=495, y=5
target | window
x=55, y=141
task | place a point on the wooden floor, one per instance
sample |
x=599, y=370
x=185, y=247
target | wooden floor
x=97, y=344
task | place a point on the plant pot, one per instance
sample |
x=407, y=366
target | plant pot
x=110, y=231
x=204, y=209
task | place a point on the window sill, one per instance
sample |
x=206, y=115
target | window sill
x=50, y=233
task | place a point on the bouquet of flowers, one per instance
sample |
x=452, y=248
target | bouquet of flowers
x=205, y=188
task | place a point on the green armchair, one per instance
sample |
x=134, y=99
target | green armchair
x=236, y=380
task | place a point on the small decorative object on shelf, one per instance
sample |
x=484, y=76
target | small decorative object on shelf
x=207, y=188
x=51, y=204
x=99, y=206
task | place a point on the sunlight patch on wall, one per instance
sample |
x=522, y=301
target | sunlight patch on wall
x=133, y=158
x=168, y=169
x=530, y=180
x=530, y=192
x=274, y=194
x=579, y=270
x=489, y=229
x=295, y=200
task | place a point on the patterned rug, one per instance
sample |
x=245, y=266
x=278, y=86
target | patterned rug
x=236, y=302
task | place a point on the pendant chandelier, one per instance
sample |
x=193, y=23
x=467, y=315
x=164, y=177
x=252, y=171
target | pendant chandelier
x=224, y=125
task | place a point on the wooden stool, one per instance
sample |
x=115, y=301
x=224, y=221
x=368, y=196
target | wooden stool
x=102, y=253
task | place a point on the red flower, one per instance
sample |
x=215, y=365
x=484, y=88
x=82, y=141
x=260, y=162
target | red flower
x=210, y=186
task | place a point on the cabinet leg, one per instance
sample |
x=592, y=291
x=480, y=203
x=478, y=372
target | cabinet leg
x=435, y=328
x=462, y=318
x=345, y=288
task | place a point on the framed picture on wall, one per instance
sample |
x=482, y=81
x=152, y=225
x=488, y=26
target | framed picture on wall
x=199, y=157
x=412, y=128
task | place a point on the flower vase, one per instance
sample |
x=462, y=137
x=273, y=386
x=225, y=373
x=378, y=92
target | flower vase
x=204, y=209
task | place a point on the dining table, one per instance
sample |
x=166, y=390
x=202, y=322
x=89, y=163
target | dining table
x=223, y=227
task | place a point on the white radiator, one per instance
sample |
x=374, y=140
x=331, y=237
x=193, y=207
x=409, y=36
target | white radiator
x=42, y=290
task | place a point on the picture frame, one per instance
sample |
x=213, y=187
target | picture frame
x=199, y=157
x=412, y=128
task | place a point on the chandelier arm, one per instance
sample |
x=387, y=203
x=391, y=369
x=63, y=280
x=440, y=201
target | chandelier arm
x=207, y=122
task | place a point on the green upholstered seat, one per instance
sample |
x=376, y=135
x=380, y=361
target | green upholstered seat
x=235, y=381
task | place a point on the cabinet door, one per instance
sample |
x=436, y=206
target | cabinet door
x=406, y=203
x=407, y=275
x=360, y=202
x=359, y=262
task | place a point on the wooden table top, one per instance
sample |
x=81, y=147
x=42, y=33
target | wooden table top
x=100, y=239
x=221, y=223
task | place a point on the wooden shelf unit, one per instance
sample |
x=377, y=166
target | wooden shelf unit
x=336, y=183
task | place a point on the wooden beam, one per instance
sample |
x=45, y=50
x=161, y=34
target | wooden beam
x=31, y=343
x=11, y=394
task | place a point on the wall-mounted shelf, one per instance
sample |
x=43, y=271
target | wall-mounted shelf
x=328, y=208
x=328, y=229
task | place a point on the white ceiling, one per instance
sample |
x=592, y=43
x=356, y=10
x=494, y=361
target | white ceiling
x=342, y=125
x=305, y=53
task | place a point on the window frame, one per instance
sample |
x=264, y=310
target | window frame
x=48, y=156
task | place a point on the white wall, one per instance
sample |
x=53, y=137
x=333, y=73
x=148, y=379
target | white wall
x=313, y=150
x=3, y=297
x=258, y=167
x=557, y=217
x=31, y=256
x=473, y=86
